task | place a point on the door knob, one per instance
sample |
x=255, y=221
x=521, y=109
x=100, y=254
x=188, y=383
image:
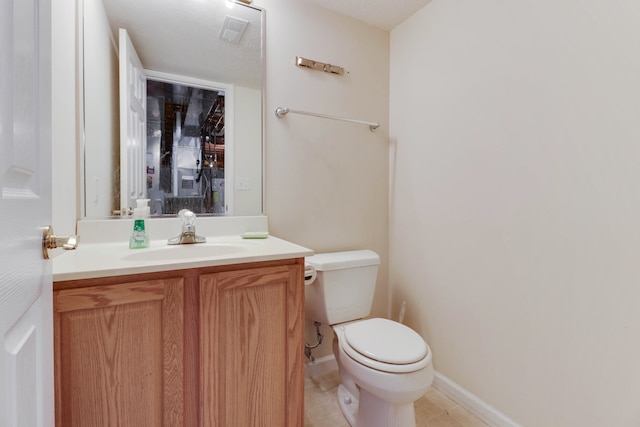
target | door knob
x=51, y=241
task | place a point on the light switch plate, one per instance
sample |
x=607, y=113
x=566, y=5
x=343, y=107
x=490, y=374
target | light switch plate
x=242, y=184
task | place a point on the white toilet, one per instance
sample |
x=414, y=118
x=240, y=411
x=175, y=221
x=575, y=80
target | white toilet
x=384, y=365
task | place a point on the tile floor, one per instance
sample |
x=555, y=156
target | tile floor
x=432, y=410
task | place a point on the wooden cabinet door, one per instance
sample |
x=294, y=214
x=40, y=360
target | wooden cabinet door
x=251, y=343
x=119, y=354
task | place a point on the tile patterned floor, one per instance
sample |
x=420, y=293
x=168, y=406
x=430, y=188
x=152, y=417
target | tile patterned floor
x=432, y=410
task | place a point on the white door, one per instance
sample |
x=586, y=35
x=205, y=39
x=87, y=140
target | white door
x=26, y=331
x=133, y=121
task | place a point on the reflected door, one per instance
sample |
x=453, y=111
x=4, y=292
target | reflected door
x=133, y=111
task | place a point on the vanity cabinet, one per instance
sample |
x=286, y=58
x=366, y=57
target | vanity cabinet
x=116, y=346
x=251, y=347
x=217, y=346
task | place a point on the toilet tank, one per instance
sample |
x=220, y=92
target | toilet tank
x=344, y=287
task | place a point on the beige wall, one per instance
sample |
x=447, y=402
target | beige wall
x=327, y=181
x=515, y=208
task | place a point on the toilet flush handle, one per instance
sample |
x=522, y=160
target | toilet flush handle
x=310, y=274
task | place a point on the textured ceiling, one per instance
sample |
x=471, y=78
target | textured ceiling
x=184, y=40
x=384, y=14
x=172, y=38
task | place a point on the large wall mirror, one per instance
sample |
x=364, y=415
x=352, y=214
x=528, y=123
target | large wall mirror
x=172, y=106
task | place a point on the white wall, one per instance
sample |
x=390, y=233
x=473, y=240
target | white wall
x=64, y=115
x=101, y=112
x=247, y=136
x=515, y=208
x=327, y=181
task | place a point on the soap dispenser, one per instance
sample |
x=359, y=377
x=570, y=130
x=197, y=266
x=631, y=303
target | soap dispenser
x=139, y=237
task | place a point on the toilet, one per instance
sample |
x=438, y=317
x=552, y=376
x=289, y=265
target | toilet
x=384, y=365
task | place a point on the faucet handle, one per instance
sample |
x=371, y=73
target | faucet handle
x=188, y=234
x=188, y=217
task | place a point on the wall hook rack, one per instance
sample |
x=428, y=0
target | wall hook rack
x=319, y=66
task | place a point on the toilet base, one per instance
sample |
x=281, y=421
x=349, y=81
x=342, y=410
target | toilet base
x=348, y=404
x=370, y=411
x=374, y=412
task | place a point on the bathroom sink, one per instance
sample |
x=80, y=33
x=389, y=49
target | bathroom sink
x=185, y=252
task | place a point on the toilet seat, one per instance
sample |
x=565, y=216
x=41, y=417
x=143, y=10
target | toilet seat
x=384, y=345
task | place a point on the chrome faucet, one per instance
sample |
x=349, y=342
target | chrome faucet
x=188, y=234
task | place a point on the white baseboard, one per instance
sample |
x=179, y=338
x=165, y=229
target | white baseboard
x=462, y=397
x=472, y=403
x=321, y=366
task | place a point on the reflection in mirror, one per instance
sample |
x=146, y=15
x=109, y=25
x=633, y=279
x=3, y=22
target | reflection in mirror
x=185, y=153
x=201, y=134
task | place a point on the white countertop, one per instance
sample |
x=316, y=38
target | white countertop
x=91, y=260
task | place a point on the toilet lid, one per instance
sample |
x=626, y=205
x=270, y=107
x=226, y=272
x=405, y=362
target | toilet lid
x=386, y=341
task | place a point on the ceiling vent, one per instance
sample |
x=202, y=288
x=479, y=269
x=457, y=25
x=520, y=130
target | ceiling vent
x=233, y=29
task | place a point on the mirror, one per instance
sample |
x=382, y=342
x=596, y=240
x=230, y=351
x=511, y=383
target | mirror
x=203, y=69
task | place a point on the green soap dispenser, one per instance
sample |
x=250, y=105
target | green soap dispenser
x=139, y=237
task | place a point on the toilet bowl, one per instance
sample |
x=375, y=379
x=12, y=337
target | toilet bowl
x=384, y=368
x=384, y=365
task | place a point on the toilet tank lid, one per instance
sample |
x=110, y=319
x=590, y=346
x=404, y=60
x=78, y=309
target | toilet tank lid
x=347, y=259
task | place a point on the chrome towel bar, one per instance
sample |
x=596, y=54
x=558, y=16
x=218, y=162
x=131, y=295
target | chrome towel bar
x=283, y=111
